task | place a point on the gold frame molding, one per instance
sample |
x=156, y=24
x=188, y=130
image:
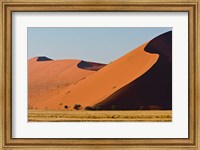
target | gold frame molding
x=9, y=6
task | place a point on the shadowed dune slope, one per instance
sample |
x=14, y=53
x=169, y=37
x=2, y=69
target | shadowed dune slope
x=43, y=58
x=104, y=82
x=154, y=88
x=90, y=65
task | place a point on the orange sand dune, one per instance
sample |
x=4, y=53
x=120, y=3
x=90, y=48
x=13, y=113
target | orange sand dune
x=47, y=78
x=152, y=90
x=98, y=86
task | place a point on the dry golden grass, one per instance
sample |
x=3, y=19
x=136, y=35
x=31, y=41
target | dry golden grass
x=80, y=115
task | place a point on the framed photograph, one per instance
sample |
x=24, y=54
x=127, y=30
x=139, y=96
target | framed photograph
x=106, y=75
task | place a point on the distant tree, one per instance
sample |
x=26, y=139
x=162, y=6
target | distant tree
x=77, y=106
x=88, y=108
x=66, y=107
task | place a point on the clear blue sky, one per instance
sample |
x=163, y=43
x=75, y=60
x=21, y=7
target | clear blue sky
x=91, y=44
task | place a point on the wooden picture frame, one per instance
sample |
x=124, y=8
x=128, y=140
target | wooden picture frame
x=9, y=6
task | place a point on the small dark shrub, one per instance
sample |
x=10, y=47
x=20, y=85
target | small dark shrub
x=66, y=107
x=88, y=108
x=77, y=106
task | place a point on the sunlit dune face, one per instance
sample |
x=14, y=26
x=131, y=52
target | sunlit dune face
x=47, y=79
